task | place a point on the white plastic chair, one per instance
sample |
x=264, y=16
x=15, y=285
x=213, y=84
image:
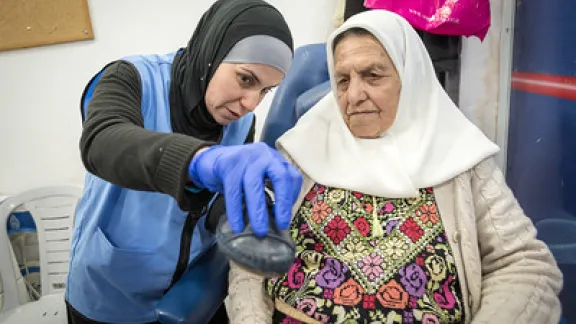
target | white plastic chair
x=52, y=209
x=49, y=309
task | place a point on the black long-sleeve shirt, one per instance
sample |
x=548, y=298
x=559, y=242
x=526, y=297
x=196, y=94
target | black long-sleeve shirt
x=116, y=147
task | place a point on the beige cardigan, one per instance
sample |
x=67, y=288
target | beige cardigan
x=507, y=275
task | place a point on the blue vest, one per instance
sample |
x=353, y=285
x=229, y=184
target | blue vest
x=126, y=243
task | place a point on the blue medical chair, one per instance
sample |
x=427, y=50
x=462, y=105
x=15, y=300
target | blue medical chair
x=199, y=293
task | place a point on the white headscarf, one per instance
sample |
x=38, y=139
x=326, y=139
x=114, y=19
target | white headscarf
x=430, y=141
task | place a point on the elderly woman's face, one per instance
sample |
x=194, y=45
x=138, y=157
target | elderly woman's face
x=367, y=85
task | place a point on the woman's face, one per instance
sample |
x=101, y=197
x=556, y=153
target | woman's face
x=367, y=85
x=236, y=89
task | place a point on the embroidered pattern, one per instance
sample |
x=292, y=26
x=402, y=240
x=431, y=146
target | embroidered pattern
x=364, y=259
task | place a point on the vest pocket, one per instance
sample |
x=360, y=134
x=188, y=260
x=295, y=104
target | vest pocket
x=137, y=274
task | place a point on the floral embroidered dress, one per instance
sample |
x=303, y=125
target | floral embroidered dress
x=366, y=259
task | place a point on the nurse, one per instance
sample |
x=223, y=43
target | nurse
x=161, y=134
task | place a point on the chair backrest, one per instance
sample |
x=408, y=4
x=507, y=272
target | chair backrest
x=305, y=84
x=88, y=92
x=197, y=295
x=52, y=209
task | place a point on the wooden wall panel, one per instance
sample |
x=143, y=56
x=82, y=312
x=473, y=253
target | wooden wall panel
x=29, y=23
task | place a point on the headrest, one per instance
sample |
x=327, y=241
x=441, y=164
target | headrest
x=307, y=82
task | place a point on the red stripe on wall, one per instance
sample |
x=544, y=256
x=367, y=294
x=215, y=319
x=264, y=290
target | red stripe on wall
x=545, y=84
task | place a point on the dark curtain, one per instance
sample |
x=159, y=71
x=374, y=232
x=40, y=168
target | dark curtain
x=353, y=7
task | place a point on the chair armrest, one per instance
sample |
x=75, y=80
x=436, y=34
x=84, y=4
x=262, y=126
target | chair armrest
x=196, y=297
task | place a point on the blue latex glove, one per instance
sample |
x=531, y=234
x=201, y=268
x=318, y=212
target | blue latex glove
x=239, y=171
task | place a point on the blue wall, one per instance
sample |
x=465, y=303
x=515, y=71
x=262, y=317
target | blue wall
x=542, y=133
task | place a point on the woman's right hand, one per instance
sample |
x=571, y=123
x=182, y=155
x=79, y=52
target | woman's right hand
x=239, y=171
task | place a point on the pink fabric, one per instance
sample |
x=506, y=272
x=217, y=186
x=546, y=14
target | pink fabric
x=446, y=17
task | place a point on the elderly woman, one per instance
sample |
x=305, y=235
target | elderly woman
x=403, y=215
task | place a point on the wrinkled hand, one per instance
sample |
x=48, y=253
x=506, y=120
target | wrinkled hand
x=239, y=172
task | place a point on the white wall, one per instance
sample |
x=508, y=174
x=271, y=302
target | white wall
x=485, y=77
x=40, y=88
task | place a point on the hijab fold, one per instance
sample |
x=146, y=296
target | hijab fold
x=429, y=143
x=223, y=25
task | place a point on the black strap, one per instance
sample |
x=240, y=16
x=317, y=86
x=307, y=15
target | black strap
x=216, y=210
x=185, y=243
